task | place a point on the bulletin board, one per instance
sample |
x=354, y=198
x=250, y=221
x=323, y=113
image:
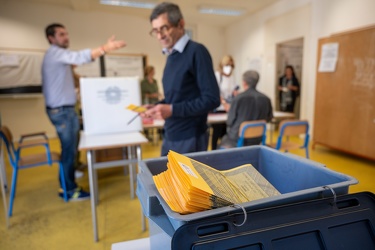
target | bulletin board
x=345, y=98
x=128, y=65
x=20, y=69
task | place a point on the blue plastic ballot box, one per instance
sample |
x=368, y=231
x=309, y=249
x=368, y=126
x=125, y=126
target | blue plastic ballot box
x=344, y=223
x=296, y=178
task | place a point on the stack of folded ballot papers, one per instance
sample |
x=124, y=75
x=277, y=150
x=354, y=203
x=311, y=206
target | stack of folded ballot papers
x=189, y=186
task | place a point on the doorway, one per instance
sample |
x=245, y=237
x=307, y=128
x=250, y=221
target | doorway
x=289, y=53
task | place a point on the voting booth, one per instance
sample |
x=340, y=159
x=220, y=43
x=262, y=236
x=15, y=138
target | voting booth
x=104, y=101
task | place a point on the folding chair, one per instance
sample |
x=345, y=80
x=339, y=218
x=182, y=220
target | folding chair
x=252, y=129
x=19, y=162
x=294, y=128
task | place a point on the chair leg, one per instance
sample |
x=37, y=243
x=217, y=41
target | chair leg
x=307, y=153
x=2, y=170
x=3, y=194
x=13, y=191
x=63, y=183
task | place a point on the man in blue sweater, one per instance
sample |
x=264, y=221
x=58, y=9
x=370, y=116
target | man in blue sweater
x=189, y=84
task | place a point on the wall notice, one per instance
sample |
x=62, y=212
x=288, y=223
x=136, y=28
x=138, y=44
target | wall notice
x=328, y=59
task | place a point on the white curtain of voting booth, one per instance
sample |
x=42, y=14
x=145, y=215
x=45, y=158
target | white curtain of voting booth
x=104, y=101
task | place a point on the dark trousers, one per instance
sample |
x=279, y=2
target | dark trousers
x=193, y=144
x=218, y=131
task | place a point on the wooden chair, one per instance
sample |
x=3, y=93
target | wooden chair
x=294, y=128
x=252, y=129
x=19, y=161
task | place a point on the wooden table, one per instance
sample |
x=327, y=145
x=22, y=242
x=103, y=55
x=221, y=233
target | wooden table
x=222, y=118
x=156, y=124
x=91, y=143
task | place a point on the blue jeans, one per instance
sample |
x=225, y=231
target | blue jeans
x=66, y=122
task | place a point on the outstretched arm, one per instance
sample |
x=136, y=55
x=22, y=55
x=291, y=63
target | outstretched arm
x=109, y=46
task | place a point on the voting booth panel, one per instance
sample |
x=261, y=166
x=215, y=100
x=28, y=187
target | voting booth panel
x=104, y=101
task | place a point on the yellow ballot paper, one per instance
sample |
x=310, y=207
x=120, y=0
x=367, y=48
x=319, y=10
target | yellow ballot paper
x=135, y=108
x=189, y=186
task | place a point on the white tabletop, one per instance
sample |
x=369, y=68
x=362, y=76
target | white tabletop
x=211, y=118
x=140, y=244
x=280, y=114
x=156, y=123
x=89, y=142
x=217, y=118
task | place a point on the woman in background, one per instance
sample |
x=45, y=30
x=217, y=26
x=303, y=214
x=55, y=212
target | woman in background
x=149, y=87
x=228, y=90
x=225, y=79
x=288, y=89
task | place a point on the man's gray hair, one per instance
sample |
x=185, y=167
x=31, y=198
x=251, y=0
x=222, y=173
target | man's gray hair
x=251, y=78
x=173, y=12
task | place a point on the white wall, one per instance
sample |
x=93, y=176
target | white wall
x=258, y=35
x=22, y=26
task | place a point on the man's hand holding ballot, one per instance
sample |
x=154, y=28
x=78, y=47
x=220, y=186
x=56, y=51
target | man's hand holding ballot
x=135, y=108
x=158, y=111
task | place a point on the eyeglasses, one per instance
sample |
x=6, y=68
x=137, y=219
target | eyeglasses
x=162, y=30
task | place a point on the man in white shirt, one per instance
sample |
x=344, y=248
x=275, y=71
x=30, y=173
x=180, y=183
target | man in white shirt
x=60, y=96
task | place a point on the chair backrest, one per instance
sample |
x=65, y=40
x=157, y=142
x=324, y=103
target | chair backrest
x=293, y=128
x=7, y=134
x=252, y=129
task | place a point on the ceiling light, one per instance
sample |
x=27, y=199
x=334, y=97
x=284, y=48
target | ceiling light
x=220, y=11
x=134, y=4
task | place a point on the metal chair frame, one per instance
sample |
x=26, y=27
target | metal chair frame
x=293, y=128
x=19, y=162
x=252, y=129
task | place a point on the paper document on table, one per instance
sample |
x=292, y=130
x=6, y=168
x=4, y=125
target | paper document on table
x=190, y=186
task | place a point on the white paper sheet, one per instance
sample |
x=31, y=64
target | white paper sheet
x=328, y=59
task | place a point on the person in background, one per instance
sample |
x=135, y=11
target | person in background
x=288, y=89
x=149, y=87
x=228, y=90
x=189, y=84
x=225, y=79
x=60, y=96
x=249, y=105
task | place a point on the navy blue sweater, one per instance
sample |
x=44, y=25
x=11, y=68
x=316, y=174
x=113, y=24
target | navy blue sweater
x=190, y=85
